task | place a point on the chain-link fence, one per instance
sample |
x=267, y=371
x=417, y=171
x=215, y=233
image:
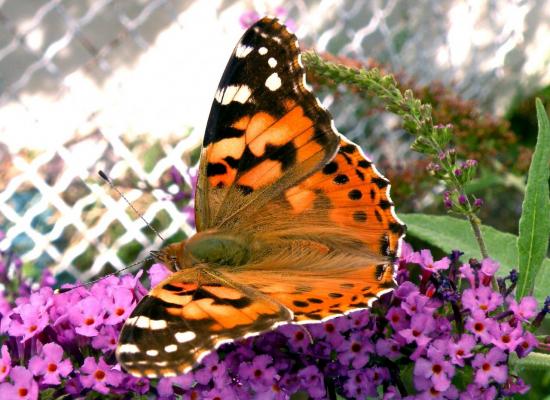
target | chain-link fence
x=125, y=86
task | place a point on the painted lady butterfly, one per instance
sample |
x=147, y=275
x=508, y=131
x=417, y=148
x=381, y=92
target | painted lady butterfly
x=294, y=223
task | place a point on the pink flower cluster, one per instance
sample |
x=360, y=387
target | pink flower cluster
x=449, y=343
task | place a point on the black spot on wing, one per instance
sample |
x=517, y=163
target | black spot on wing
x=380, y=182
x=341, y=179
x=330, y=168
x=398, y=228
x=213, y=169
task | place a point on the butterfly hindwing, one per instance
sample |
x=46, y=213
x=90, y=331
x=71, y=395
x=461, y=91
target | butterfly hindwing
x=266, y=130
x=188, y=315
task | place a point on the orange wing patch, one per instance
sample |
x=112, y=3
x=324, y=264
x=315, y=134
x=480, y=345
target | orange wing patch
x=358, y=197
x=341, y=286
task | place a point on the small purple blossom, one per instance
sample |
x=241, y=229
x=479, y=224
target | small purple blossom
x=490, y=366
x=157, y=273
x=525, y=310
x=436, y=369
x=32, y=321
x=22, y=386
x=462, y=349
x=87, y=316
x=119, y=306
x=5, y=363
x=50, y=364
x=425, y=259
x=99, y=376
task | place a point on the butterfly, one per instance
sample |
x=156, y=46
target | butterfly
x=294, y=223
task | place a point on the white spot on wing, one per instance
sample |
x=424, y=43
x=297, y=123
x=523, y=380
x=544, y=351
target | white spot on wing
x=242, y=50
x=152, y=353
x=151, y=375
x=272, y=62
x=273, y=82
x=239, y=93
x=183, y=337
x=170, y=348
x=262, y=50
x=161, y=363
x=128, y=348
x=147, y=323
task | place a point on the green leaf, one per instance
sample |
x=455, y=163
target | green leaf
x=448, y=233
x=534, y=224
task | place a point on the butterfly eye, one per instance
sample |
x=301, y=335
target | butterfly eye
x=174, y=262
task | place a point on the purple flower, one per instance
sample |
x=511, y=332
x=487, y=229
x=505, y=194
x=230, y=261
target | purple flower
x=480, y=326
x=329, y=331
x=23, y=386
x=356, y=350
x=50, y=364
x=119, y=306
x=259, y=374
x=33, y=321
x=213, y=369
x=98, y=376
x=478, y=202
x=5, y=363
x=87, y=316
x=416, y=303
x=462, y=349
x=421, y=327
x=527, y=343
x=389, y=348
x=481, y=299
x=475, y=392
x=107, y=338
x=488, y=268
x=398, y=318
x=165, y=386
x=312, y=381
x=425, y=259
x=505, y=336
x=157, y=273
x=468, y=273
x=525, y=310
x=298, y=339
x=436, y=369
x=358, y=385
x=489, y=366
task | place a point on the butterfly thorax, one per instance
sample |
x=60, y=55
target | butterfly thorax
x=209, y=247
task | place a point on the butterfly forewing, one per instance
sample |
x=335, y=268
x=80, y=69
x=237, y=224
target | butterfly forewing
x=265, y=132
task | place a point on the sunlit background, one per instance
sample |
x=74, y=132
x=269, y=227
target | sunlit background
x=125, y=86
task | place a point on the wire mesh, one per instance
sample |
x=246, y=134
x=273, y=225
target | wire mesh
x=125, y=86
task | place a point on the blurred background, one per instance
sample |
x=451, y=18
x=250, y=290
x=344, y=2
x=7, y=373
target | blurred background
x=126, y=86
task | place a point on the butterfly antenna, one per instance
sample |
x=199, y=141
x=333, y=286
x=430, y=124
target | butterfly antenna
x=65, y=290
x=104, y=176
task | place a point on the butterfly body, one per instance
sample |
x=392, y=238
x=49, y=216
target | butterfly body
x=211, y=248
x=294, y=222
